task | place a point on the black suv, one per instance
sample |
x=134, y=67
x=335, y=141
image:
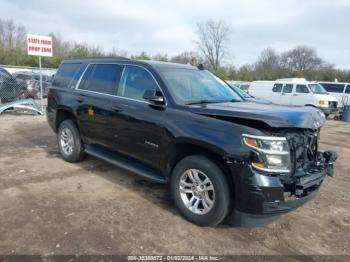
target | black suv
x=224, y=157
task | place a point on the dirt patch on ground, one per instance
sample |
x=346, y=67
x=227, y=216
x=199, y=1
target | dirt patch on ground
x=48, y=206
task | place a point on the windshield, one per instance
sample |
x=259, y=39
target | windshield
x=190, y=86
x=240, y=92
x=317, y=89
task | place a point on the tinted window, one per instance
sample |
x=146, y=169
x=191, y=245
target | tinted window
x=334, y=88
x=302, y=89
x=64, y=74
x=23, y=77
x=103, y=78
x=135, y=82
x=4, y=73
x=288, y=88
x=277, y=88
x=347, y=91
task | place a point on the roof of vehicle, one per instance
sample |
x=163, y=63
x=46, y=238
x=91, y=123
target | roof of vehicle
x=24, y=73
x=156, y=64
x=340, y=83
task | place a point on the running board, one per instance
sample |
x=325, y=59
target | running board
x=125, y=163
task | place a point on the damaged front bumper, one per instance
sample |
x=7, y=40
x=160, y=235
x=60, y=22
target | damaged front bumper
x=264, y=198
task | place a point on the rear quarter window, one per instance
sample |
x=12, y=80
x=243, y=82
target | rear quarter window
x=333, y=88
x=65, y=74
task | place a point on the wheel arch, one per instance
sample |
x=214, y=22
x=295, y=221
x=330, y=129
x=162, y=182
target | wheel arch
x=184, y=148
x=64, y=113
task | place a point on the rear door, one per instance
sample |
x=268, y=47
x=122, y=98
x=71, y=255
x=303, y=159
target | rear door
x=96, y=98
x=286, y=95
x=301, y=96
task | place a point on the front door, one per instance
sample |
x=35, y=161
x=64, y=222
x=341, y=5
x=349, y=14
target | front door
x=142, y=136
x=302, y=96
x=286, y=95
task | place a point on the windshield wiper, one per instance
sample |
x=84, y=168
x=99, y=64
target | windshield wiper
x=210, y=101
x=205, y=102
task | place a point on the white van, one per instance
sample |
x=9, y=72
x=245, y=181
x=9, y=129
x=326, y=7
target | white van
x=295, y=92
x=339, y=90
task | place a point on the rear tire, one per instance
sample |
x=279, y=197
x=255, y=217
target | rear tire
x=200, y=190
x=69, y=142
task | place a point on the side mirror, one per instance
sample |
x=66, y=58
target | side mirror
x=153, y=99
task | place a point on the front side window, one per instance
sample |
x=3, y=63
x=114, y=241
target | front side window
x=277, y=88
x=288, y=88
x=347, y=91
x=302, y=89
x=103, y=78
x=317, y=89
x=190, y=86
x=135, y=81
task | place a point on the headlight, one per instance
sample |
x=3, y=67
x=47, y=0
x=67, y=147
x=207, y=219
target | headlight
x=273, y=151
x=323, y=103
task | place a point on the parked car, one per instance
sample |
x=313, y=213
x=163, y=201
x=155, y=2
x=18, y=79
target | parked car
x=32, y=83
x=295, y=92
x=10, y=89
x=339, y=90
x=222, y=156
x=247, y=96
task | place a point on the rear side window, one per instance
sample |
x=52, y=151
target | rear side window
x=302, y=89
x=103, y=78
x=65, y=74
x=334, y=88
x=347, y=91
x=277, y=88
x=288, y=88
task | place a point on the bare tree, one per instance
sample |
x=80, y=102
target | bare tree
x=117, y=52
x=2, y=33
x=9, y=33
x=301, y=58
x=20, y=37
x=268, y=60
x=160, y=57
x=185, y=58
x=213, y=38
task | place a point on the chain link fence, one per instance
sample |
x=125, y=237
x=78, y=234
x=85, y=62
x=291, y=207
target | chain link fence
x=18, y=84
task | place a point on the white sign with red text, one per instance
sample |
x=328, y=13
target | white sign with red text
x=39, y=45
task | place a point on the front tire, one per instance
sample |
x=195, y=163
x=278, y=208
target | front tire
x=69, y=142
x=200, y=190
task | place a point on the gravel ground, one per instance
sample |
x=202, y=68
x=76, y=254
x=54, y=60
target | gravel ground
x=48, y=206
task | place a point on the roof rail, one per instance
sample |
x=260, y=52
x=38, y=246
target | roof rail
x=98, y=57
x=295, y=79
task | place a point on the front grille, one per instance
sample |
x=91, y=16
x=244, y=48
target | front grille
x=333, y=104
x=304, y=146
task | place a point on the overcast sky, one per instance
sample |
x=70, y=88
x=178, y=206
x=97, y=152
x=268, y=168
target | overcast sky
x=157, y=26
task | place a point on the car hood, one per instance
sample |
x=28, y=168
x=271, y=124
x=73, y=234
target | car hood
x=273, y=115
x=326, y=97
x=257, y=100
